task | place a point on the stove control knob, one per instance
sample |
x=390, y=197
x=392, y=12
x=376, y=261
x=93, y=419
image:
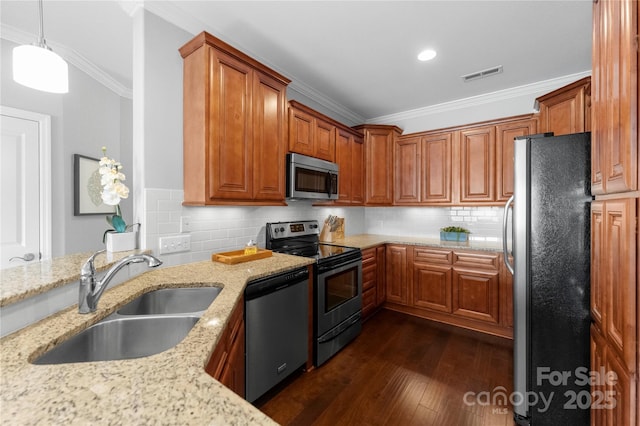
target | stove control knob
x=282, y=229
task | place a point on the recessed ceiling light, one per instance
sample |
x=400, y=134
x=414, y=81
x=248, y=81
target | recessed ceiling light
x=426, y=55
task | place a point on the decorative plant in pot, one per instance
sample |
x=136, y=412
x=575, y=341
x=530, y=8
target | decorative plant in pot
x=454, y=233
x=113, y=191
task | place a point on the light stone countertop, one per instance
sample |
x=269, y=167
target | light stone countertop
x=171, y=387
x=23, y=281
x=364, y=241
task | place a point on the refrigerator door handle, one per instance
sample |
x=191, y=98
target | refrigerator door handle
x=505, y=224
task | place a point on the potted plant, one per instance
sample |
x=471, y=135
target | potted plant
x=454, y=233
x=113, y=190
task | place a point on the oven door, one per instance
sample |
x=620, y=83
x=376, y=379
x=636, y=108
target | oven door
x=338, y=293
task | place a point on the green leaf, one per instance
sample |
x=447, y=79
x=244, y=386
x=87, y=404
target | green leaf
x=118, y=223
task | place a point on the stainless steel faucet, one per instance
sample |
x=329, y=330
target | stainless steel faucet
x=91, y=289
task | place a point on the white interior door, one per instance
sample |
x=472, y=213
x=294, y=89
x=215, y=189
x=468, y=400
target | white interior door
x=21, y=191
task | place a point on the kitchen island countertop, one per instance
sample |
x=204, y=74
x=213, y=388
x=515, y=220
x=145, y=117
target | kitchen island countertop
x=171, y=387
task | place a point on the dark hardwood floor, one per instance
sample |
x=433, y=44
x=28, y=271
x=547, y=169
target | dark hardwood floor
x=402, y=370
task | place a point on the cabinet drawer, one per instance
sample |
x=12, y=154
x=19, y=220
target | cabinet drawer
x=476, y=260
x=369, y=276
x=369, y=254
x=432, y=255
x=368, y=301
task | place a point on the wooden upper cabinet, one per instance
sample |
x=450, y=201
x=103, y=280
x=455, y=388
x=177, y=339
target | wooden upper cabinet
x=407, y=177
x=614, y=137
x=325, y=140
x=350, y=159
x=234, y=114
x=437, y=168
x=358, y=168
x=566, y=110
x=301, y=132
x=231, y=146
x=269, y=149
x=477, y=164
x=310, y=133
x=505, y=134
x=379, y=141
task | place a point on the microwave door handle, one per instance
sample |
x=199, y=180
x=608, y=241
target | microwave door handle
x=328, y=184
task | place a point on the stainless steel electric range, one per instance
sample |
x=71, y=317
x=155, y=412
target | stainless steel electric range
x=337, y=283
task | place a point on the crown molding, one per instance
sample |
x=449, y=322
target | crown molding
x=533, y=89
x=17, y=36
x=188, y=23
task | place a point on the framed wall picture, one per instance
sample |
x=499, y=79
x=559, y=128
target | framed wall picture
x=86, y=187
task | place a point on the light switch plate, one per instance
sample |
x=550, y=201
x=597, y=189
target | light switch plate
x=174, y=244
x=185, y=224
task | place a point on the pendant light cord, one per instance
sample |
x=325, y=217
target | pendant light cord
x=41, y=41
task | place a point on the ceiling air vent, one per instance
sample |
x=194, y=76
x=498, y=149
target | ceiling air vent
x=482, y=74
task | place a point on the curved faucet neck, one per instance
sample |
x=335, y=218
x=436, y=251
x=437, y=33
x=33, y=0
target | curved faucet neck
x=91, y=289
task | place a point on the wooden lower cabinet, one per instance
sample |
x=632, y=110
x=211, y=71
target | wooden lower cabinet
x=614, y=312
x=475, y=294
x=432, y=287
x=468, y=288
x=613, y=390
x=227, y=360
x=373, y=279
x=396, y=273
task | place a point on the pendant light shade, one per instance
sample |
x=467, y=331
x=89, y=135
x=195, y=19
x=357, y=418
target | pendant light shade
x=36, y=66
x=41, y=69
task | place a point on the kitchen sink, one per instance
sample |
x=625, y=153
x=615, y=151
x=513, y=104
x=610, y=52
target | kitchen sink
x=117, y=338
x=172, y=301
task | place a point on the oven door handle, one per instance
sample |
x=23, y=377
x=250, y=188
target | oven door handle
x=331, y=267
x=337, y=331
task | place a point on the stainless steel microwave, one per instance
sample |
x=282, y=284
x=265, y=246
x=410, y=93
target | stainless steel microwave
x=311, y=178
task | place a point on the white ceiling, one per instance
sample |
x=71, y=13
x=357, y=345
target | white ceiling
x=359, y=56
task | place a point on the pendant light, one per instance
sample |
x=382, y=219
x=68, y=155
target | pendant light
x=37, y=66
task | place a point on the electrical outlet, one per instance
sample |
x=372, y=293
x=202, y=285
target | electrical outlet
x=174, y=244
x=185, y=224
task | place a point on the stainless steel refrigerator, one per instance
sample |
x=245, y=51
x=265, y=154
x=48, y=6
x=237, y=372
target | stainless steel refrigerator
x=550, y=243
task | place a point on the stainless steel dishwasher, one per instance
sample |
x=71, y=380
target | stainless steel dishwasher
x=276, y=326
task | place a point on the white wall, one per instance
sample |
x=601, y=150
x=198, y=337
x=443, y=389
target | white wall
x=82, y=121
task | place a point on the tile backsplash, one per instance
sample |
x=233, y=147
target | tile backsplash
x=225, y=228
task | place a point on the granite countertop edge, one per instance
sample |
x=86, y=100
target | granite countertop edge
x=365, y=241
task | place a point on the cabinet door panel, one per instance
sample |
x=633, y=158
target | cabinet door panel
x=357, y=171
x=505, y=134
x=407, y=171
x=231, y=141
x=436, y=168
x=477, y=164
x=269, y=139
x=379, y=161
x=598, y=255
x=396, y=274
x=381, y=273
x=343, y=159
x=622, y=392
x=620, y=217
x=615, y=103
x=301, y=132
x=598, y=389
x=432, y=287
x=325, y=140
x=475, y=295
